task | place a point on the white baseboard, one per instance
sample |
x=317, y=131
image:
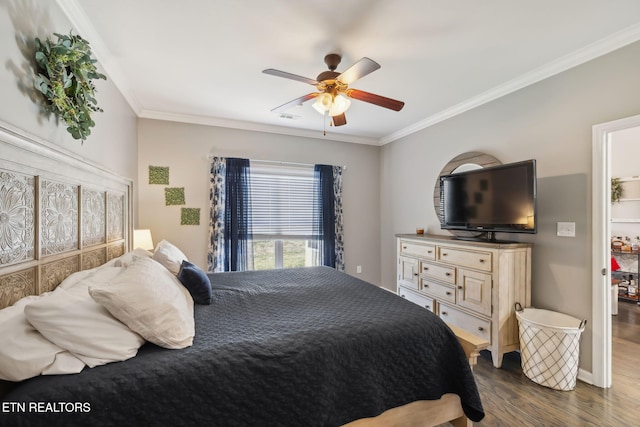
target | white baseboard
x=585, y=376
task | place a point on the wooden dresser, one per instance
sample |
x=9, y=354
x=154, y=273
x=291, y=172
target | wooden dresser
x=472, y=285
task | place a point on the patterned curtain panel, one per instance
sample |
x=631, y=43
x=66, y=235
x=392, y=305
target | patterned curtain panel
x=218, y=171
x=337, y=207
x=328, y=229
x=230, y=239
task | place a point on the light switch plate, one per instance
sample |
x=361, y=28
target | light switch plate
x=566, y=229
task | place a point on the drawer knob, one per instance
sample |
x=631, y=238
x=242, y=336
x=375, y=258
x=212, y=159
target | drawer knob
x=444, y=254
x=428, y=307
x=459, y=286
x=429, y=252
x=425, y=286
x=448, y=293
x=447, y=274
x=481, y=260
x=404, y=247
x=444, y=313
x=402, y=295
x=480, y=328
x=415, y=274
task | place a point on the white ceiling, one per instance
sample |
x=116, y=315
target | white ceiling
x=201, y=61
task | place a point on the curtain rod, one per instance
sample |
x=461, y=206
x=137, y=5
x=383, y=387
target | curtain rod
x=277, y=162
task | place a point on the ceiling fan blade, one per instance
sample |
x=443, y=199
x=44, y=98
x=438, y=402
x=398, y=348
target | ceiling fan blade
x=358, y=70
x=286, y=75
x=339, y=120
x=372, y=98
x=297, y=101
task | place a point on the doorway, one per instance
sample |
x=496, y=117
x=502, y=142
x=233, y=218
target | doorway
x=601, y=258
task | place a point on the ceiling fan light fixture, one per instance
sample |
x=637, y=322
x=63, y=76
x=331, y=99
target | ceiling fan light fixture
x=339, y=106
x=334, y=105
x=323, y=103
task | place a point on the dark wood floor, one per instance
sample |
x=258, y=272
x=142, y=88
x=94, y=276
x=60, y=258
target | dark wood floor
x=511, y=399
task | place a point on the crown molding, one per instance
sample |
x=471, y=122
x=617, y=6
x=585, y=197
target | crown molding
x=252, y=126
x=601, y=47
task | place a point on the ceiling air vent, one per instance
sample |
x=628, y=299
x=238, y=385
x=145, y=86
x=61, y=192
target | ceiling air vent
x=289, y=116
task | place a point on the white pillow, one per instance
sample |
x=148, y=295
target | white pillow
x=170, y=256
x=75, y=322
x=150, y=301
x=25, y=353
x=78, y=283
x=126, y=259
x=121, y=261
x=75, y=278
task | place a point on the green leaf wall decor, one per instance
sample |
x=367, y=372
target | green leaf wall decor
x=190, y=216
x=159, y=175
x=65, y=73
x=174, y=196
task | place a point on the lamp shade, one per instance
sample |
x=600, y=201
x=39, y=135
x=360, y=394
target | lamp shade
x=323, y=103
x=339, y=106
x=142, y=239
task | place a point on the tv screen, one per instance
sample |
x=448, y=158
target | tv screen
x=501, y=198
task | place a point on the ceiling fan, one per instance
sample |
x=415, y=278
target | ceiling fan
x=333, y=89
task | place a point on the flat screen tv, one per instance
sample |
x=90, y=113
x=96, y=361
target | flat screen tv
x=496, y=199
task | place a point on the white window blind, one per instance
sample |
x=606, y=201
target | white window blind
x=281, y=200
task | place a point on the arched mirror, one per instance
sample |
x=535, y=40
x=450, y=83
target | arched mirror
x=463, y=162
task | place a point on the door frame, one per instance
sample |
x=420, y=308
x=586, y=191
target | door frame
x=601, y=250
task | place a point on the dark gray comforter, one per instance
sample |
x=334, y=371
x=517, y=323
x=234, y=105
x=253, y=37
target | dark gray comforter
x=296, y=347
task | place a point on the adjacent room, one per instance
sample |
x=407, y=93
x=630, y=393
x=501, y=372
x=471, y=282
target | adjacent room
x=319, y=213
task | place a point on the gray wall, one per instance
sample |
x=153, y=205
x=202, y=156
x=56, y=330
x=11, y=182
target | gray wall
x=185, y=148
x=112, y=143
x=551, y=122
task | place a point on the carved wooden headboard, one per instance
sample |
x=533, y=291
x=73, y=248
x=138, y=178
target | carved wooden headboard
x=59, y=214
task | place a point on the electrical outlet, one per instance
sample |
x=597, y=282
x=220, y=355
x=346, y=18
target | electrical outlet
x=359, y=269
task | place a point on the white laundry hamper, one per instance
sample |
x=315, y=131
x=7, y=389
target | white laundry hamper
x=549, y=346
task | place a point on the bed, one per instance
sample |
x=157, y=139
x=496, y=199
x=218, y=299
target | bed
x=308, y=346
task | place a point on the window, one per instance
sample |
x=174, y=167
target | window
x=296, y=213
x=282, y=200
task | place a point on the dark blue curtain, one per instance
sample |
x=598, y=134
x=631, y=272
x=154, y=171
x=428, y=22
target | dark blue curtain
x=238, y=255
x=324, y=214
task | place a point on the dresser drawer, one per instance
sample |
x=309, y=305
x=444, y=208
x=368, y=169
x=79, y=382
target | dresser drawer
x=475, y=325
x=415, y=298
x=473, y=259
x=441, y=272
x=420, y=250
x=439, y=291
